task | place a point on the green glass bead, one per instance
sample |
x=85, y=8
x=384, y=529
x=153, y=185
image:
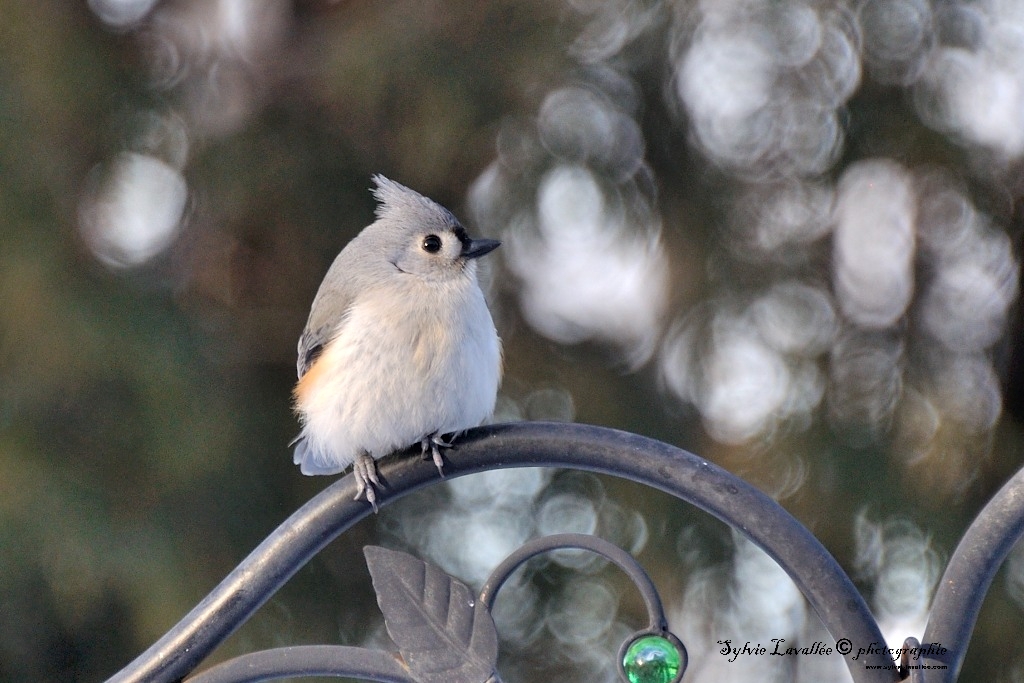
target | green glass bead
x=652, y=659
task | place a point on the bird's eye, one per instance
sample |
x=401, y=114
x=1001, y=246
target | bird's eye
x=432, y=244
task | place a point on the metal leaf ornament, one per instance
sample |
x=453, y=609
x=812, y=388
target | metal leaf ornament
x=444, y=634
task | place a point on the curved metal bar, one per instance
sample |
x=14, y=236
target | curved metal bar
x=248, y=586
x=977, y=558
x=610, y=551
x=912, y=675
x=308, y=660
x=527, y=444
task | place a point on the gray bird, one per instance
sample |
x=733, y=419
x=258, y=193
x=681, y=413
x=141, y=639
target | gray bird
x=400, y=347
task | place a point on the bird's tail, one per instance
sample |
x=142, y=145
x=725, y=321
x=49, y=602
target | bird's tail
x=312, y=461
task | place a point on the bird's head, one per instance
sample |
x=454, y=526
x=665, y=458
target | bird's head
x=422, y=238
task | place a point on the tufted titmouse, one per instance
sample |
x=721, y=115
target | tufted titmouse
x=399, y=347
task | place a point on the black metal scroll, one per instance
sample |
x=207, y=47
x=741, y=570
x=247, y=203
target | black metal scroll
x=532, y=444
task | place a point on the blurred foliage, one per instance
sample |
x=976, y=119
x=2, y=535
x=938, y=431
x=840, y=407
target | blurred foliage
x=144, y=404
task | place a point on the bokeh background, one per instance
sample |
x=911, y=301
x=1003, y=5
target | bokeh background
x=783, y=235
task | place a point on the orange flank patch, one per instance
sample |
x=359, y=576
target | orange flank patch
x=309, y=380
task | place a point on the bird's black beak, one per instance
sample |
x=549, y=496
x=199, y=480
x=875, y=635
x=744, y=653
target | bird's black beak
x=477, y=248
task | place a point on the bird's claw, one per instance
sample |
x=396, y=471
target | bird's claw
x=434, y=443
x=367, y=481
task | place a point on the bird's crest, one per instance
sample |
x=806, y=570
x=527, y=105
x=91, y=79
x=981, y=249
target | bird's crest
x=396, y=199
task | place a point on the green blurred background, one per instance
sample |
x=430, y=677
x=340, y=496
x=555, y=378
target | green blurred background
x=782, y=236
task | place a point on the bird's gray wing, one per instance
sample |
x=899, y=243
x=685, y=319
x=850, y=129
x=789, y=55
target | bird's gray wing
x=311, y=345
x=327, y=314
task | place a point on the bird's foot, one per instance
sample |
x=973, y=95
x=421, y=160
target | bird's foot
x=434, y=443
x=365, y=471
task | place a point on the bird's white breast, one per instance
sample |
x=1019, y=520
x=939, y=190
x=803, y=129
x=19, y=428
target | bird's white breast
x=407, y=361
